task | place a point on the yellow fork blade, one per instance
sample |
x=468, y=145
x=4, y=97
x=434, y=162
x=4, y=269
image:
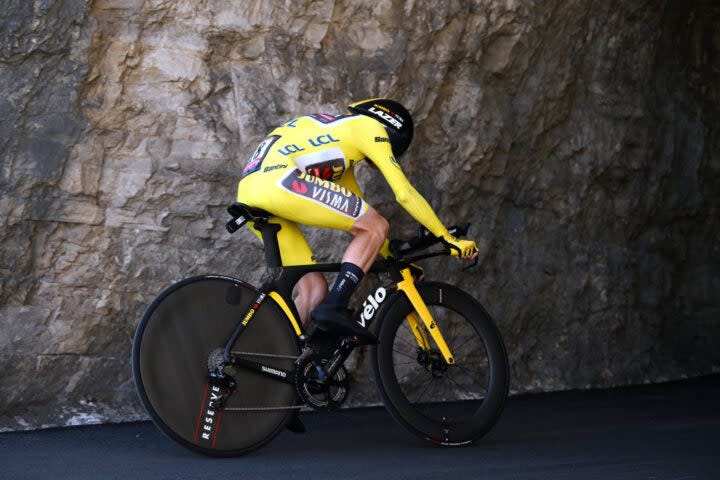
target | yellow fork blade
x=407, y=285
x=418, y=331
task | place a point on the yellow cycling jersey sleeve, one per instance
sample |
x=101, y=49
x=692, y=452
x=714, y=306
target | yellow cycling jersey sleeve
x=375, y=145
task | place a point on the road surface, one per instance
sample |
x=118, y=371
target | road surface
x=668, y=431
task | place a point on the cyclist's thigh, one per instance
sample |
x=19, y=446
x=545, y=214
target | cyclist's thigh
x=294, y=249
x=303, y=198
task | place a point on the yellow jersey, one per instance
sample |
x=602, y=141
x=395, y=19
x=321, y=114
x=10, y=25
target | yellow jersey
x=325, y=149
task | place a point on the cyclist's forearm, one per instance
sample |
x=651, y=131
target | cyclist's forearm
x=405, y=193
x=420, y=210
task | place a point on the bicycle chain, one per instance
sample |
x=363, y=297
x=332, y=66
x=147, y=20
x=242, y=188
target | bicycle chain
x=267, y=355
x=262, y=409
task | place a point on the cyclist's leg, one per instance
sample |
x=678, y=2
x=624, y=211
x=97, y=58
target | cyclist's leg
x=370, y=232
x=294, y=250
x=310, y=200
x=310, y=291
x=313, y=201
x=335, y=206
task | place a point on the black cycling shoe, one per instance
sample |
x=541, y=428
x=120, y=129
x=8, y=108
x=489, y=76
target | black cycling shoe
x=339, y=321
x=295, y=425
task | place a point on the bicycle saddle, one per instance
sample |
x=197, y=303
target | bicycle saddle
x=237, y=209
x=242, y=213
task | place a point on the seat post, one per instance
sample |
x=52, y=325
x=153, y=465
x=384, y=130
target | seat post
x=269, y=233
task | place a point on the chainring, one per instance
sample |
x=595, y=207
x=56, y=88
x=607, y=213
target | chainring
x=317, y=391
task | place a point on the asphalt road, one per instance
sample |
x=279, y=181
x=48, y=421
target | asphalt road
x=669, y=431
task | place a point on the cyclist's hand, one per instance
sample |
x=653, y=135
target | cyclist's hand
x=463, y=248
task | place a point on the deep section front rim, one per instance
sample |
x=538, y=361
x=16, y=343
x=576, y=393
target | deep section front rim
x=449, y=405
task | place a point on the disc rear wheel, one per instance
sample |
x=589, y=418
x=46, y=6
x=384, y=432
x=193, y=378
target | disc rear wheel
x=178, y=341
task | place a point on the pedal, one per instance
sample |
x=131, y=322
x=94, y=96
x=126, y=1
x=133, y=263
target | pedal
x=295, y=425
x=323, y=343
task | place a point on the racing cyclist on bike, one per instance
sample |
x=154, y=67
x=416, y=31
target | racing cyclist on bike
x=302, y=172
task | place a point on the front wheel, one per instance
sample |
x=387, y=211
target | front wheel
x=445, y=404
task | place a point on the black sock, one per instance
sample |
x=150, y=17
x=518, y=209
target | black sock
x=348, y=278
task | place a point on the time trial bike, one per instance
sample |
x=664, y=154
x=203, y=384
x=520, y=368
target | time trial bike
x=222, y=366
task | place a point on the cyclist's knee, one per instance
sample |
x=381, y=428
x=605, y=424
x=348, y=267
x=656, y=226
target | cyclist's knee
x=373, y=223
x=384, y=227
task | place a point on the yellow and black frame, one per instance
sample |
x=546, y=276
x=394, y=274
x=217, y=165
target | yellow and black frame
x=280, y=281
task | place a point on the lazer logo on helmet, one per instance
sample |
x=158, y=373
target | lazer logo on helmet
x=391, y=119
x=371, y=305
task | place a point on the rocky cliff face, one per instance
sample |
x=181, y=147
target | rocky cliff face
x=580, y=138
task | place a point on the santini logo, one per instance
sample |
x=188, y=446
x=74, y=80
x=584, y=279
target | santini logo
x=273, y=371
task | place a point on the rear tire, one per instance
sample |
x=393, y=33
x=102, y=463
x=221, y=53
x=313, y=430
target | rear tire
x=171, y=349
x=448, y=405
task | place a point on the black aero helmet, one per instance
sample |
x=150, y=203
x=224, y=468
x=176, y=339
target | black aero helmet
x=393, y=116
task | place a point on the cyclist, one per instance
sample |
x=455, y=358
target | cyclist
x=302, y=172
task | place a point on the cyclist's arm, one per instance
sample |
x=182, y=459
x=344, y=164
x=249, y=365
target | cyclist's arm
x=349, y=181
x=420, y=210
x=411, y=200
x=376, y=148
x=380, y=153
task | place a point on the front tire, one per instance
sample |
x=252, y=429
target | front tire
x=448, y=405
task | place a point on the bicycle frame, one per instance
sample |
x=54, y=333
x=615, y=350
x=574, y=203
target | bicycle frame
x=280, y=281
x=264, y=375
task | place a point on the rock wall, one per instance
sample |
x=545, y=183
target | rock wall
x=580, y=138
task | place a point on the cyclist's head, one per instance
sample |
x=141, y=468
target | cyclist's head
x=394, y=117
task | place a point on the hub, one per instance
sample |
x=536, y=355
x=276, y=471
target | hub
x=433, y=362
